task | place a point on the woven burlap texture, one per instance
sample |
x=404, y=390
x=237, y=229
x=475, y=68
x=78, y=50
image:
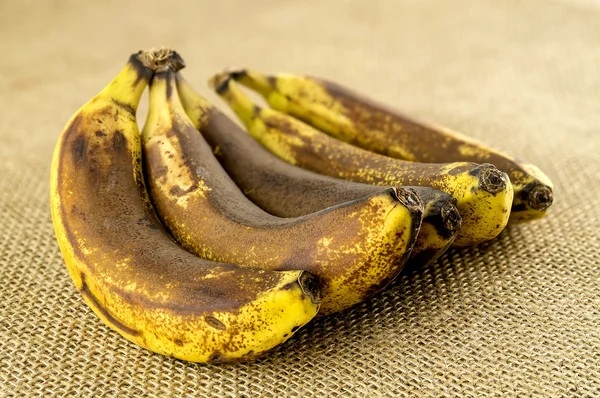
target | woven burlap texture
x=518, y=316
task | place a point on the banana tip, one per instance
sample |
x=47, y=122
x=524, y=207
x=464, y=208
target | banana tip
x=451, y=216
x=409, y=199
x=220, y=81
x=310, y=286
x=491, y=179
x=540, y=197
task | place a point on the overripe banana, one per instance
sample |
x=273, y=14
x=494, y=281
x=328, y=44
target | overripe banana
x=285, y=190
x=484, y=194
x=362, y=122
x=354, y=249
x=135, y=278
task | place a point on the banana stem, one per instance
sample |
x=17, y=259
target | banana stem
x=194, y=104
x=310, y=286
x=161, y=59
x=127, y=87
x=241, y=104
x=256, y=81
x=164, y=100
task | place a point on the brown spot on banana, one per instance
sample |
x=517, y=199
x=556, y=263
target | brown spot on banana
x=118, y=141
x=215, y=323
x=216, y=358
x=178, y=192
x=79, y=150
x=125, y=106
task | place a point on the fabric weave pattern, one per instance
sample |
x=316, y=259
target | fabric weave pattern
x=518, y=316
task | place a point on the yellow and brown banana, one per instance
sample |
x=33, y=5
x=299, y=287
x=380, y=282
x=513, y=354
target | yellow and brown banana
x=355, y=119
x=135, y=278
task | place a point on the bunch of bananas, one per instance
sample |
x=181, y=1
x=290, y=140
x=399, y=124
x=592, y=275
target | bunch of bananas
x=193, y=240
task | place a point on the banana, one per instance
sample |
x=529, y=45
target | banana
x=354, y=249
x=483, y=193
x=134, y=277
x=285, y=190
x=372, y=126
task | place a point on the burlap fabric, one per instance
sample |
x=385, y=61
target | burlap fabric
x=518, y=316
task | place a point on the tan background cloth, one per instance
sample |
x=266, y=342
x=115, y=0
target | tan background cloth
x=518, y=316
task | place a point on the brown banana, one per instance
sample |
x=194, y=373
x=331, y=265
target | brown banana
x=285, y=190
x=483, y=193
x=353, y=249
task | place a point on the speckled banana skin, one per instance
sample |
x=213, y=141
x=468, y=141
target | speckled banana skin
x=484, y=195
x=354, y=249
x=134, y=277
x=362, y=122
x=288, y=191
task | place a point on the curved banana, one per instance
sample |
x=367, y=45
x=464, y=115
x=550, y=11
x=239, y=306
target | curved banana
x=372, y=126
x=135, y=278
x=483, y=193
x=285, y=190
x=354, y=249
